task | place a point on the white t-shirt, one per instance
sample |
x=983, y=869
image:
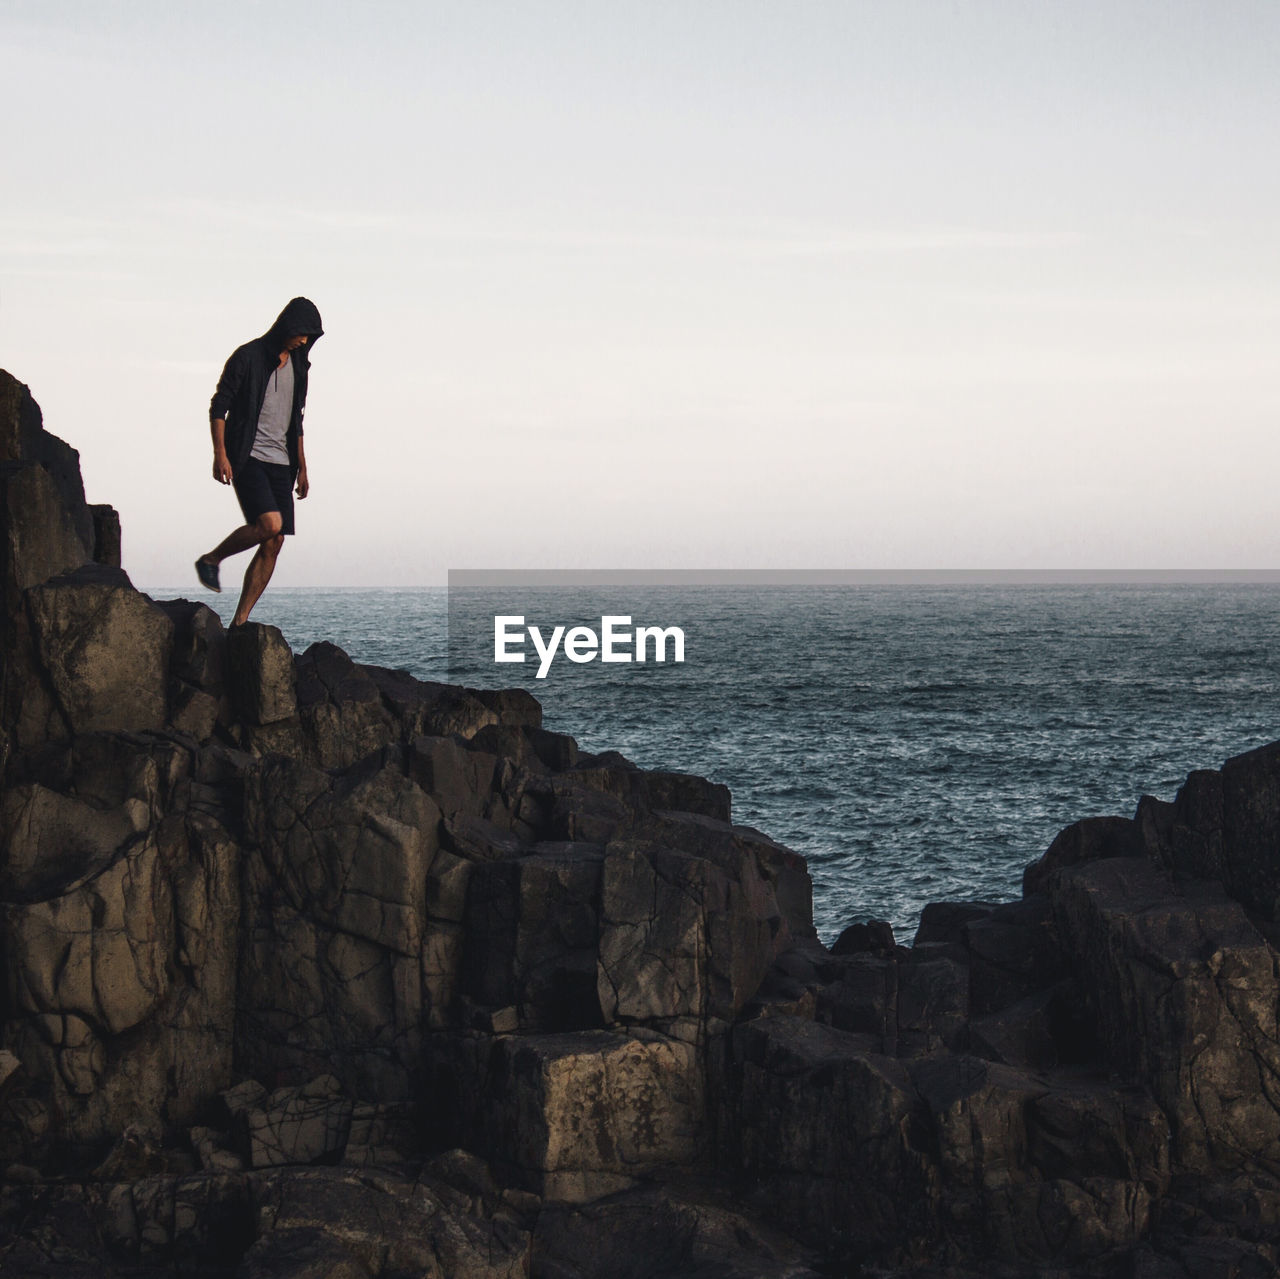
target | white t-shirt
x=273, y=422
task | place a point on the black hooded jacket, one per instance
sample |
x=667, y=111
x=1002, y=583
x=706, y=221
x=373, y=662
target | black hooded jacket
x=243, y=384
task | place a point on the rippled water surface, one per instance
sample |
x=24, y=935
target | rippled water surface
x=916, y=743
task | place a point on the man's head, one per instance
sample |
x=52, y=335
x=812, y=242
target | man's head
x=296, y=326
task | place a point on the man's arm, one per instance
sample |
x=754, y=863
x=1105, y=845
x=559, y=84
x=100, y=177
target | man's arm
x=304, y=486
x=228, y=385
x=221, y=463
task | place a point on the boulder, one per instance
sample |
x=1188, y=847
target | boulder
x=51, y=839
x=516, y=707
x=860, y=1183
x=105, y=647
x=860, y=996
x=260, y=672
x=340, y=707
x=1018, y=1034
x=687, y=793
x=382, y=1136
x=942, y=923
x=303, y=1125
x=1011, y=952
x=1186, y=835
x=1185, y=991
x=575, y=1116
x=1085, y=1126
x=334, y=924
x=199, y=645
x=192, y=712
x=122, y=983
x=23, y=439
x=426, y=708
x=106, y=534
x=98, y=951
x=653, y=1231
x=460, y=780
x=658, y=911
x=336, y=1222
x=41, y=538
x=875, y=936
x=774, y=879
x=1251, y=829
x=532, y=936
x=20, y=419
x=984, y=1116
x=1084, y=841
x=933, y=1005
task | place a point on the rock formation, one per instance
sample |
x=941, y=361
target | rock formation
x=315, y=969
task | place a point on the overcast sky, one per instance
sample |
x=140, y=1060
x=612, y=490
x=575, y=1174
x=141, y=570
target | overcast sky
x=698, y=284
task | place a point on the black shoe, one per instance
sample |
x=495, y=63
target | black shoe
x=207, y=572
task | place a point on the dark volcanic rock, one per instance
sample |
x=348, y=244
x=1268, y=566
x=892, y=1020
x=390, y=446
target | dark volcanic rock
x=104, y=648
x=199, y=645
x=645, y=1234
x=313, y=968
x=830, y=1131
x=574, y=1116
x=1093, y=839
x=875, y=937
x=1250, y=827
x=106, y=535
x=333, y=917
x=261, y=674
x=1186, y=992
x=41, y=536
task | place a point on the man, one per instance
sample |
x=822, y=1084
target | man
x=255, y=418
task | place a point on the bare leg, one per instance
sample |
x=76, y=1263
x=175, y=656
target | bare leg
x=242, y=539
x=256, y=577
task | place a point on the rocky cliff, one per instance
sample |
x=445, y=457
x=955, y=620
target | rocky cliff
x=315, y=969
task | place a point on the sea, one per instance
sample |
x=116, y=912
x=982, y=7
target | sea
x=915, y=743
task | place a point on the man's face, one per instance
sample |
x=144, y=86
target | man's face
x=292, y=344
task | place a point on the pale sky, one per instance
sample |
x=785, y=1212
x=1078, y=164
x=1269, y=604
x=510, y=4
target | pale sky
x=663, y=285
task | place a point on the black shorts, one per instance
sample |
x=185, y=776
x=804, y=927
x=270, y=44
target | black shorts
x=265, y=486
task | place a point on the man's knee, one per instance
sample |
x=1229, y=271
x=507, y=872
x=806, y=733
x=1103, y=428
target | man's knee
x=269, y=524
x=274, y=544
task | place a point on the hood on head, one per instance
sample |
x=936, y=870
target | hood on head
x=298, y=317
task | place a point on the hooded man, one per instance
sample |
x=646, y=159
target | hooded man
x=255, y=418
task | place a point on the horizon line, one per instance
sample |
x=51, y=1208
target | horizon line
x=463, y=578
x=467, y=578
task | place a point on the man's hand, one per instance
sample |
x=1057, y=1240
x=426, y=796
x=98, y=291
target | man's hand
x=304, y=486
x=221, y=464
